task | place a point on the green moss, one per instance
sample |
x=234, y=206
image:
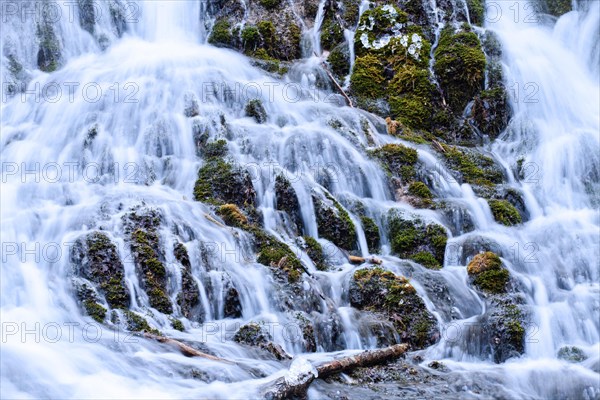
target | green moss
x=221, y=35
x=504, y=212
x=487, y=273
x=177, y=324
x=558, y=7
x=351, y=11
x=460, y=65
x=269, y=37
x=219, y=182
x=250, y=38
x=315, y=252
x=376, y=23
x=136, y=323
x=419, y=189
x=232, y=215
x=95, y=310
x=412, y=238
x=411, y=95
x=426, y=259
x=476, y=11
x=269, y=4
x=371, y=234
x=255, y=109
x=218, y=148
x=339, y=60
x=367, y=81
x=331, y=32
x=144, y=242
x=274, y=253
x=475, y=168
x=398, y=160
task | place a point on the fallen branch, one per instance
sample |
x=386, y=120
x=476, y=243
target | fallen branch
x=296, y=387
x=439, y=146
x=362, y=260
x=337, y=85
x=184, y=348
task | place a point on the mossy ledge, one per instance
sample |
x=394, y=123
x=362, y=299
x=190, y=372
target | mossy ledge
x=416, y=240
x=141, y=228
x=379, y=290
x=487, y=273
x=334, y=223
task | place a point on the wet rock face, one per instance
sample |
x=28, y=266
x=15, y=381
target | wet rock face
x=220, y=182
x=503, y=324
x=334, y=223
x=189, y=297
x=141, y=228
x=382, y=291
x=255, y=335
x=287, y=200
x=491, y=111
x=96, y=259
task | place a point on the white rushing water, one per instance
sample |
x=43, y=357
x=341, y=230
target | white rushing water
x=59, y=184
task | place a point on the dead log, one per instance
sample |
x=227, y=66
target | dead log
x=296, y=386
x=186, y=350
x=362, y=260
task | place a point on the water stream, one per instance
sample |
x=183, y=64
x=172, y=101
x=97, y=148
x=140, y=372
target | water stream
x=58, y=183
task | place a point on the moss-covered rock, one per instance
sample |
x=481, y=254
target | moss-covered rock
x=334, y=223
x=220, y=182
x=411, y=96
x=232, y=215
x=214, y=149
x=255, y=335
x=472, y=167
x=572, y=354
x=49, y=56
x=372, y=234
x=315, y=251
x=398, y=160
x=96, y=259
x=141, y=228
x=188, y=298
x=460, y=66
x=332, y=33
x=379, y=290
x=95, y=310
x=505, y=323
x=255, y=109
x=487, y=273
x=476, y=11
x=221, y=34
x=367, y=81
x=415, y=240
x=339, y=61
x=269, y=4
x=557, y=7
x=504, y=212
x=177, y=324
x=490, y=111
x=419, y=189
x=137, y=323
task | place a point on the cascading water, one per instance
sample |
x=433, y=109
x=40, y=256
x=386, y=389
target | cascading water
x=81, y=162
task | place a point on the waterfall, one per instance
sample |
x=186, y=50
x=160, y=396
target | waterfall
x=114, y=130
